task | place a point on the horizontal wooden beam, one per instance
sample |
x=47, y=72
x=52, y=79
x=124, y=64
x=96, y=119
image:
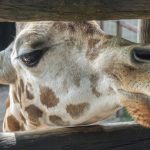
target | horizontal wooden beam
x=34, y=10
x=110, y=137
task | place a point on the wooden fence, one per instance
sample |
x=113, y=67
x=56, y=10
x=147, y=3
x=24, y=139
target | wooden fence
x=114, y=137
x=120, y=24
x=27, y=10
x=123, y=136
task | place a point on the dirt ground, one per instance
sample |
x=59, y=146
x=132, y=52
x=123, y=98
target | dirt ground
x=3, y=96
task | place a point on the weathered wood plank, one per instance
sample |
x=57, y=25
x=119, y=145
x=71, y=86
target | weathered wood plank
x=122, y=137
x=144, y=28
x=31, y=10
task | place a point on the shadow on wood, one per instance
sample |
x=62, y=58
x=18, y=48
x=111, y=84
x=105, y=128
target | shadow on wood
x=122, y=136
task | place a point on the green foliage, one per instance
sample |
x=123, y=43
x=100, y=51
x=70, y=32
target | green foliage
x=124, y=115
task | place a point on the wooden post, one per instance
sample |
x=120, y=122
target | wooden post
x=144, y=31
x=119, y=28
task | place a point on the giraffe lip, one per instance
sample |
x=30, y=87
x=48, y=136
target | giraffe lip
x=134, y=95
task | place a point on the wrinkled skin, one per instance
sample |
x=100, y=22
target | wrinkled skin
x=86, y=76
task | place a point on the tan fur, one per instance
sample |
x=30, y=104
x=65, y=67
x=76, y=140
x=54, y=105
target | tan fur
x=13, y=123
x=23, y=118
x=19, y=93
x=34, y=113
x=29, y=95
x=22, y=85
x=77, y=81
x=94, y=79
x=57, y=120
x=139, y=110
x=75, y=110
x=15, y=98
x=92, y=51
x=48, y=97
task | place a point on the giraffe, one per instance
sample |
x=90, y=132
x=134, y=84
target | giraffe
x=71, y=73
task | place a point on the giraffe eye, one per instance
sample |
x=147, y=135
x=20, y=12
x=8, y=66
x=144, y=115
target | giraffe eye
x=32, y=59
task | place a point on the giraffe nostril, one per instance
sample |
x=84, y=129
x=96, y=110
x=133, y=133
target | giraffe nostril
x=141, y=55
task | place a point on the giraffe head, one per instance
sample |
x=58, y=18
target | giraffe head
x=75, y=65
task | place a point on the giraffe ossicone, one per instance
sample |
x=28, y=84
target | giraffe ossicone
x=72, y=73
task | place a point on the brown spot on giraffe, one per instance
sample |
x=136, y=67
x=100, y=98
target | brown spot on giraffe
x=94, y=79
x=92, y=51
x=92, y=42
x=34, y=113
x=75, y=110
x=29, y=95
x=7, y=102
x=13, y=123
x=57, y=120
x=77, y=81
x=95, y=92
x=48, y=97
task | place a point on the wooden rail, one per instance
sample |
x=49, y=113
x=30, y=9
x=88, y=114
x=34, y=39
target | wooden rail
x=127, y=26
x=120, y=24
x=144, y=27
x=31, y=10
x=123, y=24
x=124, y=136
x=112, y=137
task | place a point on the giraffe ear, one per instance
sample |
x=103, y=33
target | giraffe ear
x=7, y=72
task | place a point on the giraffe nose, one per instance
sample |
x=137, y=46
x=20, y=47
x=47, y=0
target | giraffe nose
x=141, y=55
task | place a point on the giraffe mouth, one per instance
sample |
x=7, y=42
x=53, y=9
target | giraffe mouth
x=135, y=96
x=138, y=105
